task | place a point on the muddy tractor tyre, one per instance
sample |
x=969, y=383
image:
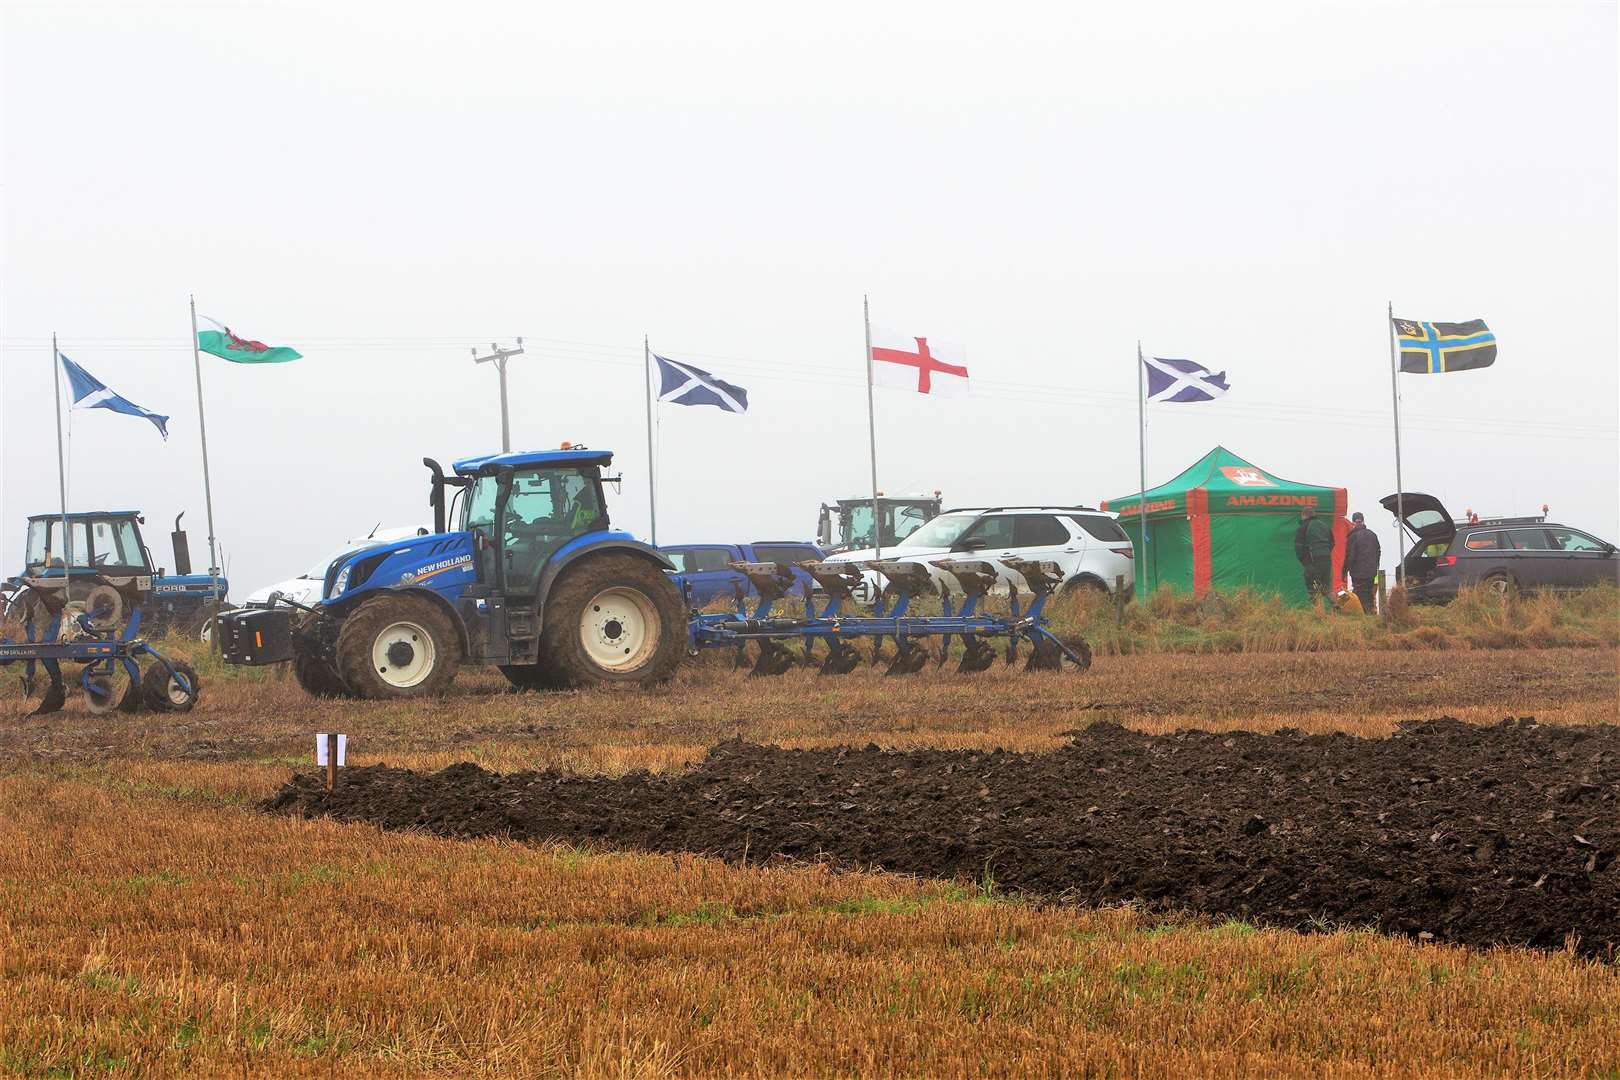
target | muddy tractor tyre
x=613, y=620
x=316, y=677
x=526, y=677
x=162, y=692
x=397, y=646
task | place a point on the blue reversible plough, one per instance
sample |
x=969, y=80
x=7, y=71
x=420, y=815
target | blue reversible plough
x=836, y=624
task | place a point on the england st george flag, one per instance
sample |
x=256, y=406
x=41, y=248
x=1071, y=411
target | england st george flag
x=915, y=363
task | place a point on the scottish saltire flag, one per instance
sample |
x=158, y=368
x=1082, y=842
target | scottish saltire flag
x=90, y=392
x=1181, y=380
x=1431, y=348
x=684, y=384
x=215, y=337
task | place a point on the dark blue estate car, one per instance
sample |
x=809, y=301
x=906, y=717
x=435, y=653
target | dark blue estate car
x=1523, y=553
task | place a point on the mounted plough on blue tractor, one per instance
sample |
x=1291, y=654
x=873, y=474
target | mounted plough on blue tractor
x=535, y=581
x=81, y=600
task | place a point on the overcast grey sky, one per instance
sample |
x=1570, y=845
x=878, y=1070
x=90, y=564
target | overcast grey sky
x=383, y=187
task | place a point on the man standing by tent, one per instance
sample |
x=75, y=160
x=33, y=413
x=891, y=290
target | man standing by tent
x=1313, y=545
x=1362, y=554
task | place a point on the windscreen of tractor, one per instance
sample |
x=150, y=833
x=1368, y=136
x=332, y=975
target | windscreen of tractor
x=113, y=542
x=45, y=545
x=898, y=523
x=545, y=508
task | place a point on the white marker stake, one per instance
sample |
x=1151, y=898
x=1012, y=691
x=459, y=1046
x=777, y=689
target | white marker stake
x=331, y=752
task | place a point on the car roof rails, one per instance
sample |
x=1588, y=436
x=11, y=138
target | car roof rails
x=1540, y=519
x=1041, y=506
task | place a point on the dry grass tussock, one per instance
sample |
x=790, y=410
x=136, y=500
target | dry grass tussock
x=151, y=923
x=1246, y=621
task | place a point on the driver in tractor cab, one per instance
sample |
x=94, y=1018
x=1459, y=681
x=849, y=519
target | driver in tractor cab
x=543, y=513
x=580, y=498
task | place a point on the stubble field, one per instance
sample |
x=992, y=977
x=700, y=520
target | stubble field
x=154, y=920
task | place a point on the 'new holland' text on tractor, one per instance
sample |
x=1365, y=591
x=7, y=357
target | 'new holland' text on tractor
x=537, y=583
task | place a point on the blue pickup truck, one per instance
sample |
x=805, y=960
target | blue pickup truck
x=703, y=569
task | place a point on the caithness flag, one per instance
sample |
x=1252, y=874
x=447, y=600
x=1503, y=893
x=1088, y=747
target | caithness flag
x=1182, y=380
x=684, y=384
x=90, y=392
x=1430, y=348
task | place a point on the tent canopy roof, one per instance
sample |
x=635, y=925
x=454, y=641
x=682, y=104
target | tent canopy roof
x=1233, y=484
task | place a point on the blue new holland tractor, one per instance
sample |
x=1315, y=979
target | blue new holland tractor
x=535, y=581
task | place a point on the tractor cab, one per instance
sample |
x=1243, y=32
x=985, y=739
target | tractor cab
x=521, y=509
x=105, y=547
x=897, y=517
x=102, y=546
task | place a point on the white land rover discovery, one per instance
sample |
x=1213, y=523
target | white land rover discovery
x=1088, y=544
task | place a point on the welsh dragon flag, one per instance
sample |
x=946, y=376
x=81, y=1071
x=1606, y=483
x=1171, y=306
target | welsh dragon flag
x=216, y=338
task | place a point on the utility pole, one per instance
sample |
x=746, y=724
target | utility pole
x=500, y=356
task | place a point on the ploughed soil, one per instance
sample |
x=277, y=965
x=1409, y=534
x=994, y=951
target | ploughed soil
x=1446, y=831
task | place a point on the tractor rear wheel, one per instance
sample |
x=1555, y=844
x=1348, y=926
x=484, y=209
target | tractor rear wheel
x=398, y=646
x=613, y=619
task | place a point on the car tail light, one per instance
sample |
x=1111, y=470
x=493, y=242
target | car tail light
x=1446, y=560
x=1128, y=552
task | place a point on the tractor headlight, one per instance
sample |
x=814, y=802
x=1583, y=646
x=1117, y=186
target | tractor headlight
x=341, y=582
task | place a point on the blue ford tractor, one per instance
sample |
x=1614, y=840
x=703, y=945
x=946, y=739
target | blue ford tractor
x=84, y=598
x=535, y=581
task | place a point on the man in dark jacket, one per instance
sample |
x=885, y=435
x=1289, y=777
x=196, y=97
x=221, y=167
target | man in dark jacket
x=1362, y=555
x=1313, y=546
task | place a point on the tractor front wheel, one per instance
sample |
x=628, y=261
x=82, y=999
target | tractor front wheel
x=397, y=647
x=316, y=676
x=613, y=619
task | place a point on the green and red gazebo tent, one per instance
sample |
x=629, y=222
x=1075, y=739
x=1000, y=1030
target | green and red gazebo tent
x=1226, y=523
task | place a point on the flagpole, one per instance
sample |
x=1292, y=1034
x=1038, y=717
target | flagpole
x=871, y=429
x=61, y=467
x=646, y=387
x=1400, y=490
x=1141, y=460
x=208, y=491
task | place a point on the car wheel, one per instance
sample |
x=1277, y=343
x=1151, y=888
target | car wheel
x=1077, y=585
x=1499, y=584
